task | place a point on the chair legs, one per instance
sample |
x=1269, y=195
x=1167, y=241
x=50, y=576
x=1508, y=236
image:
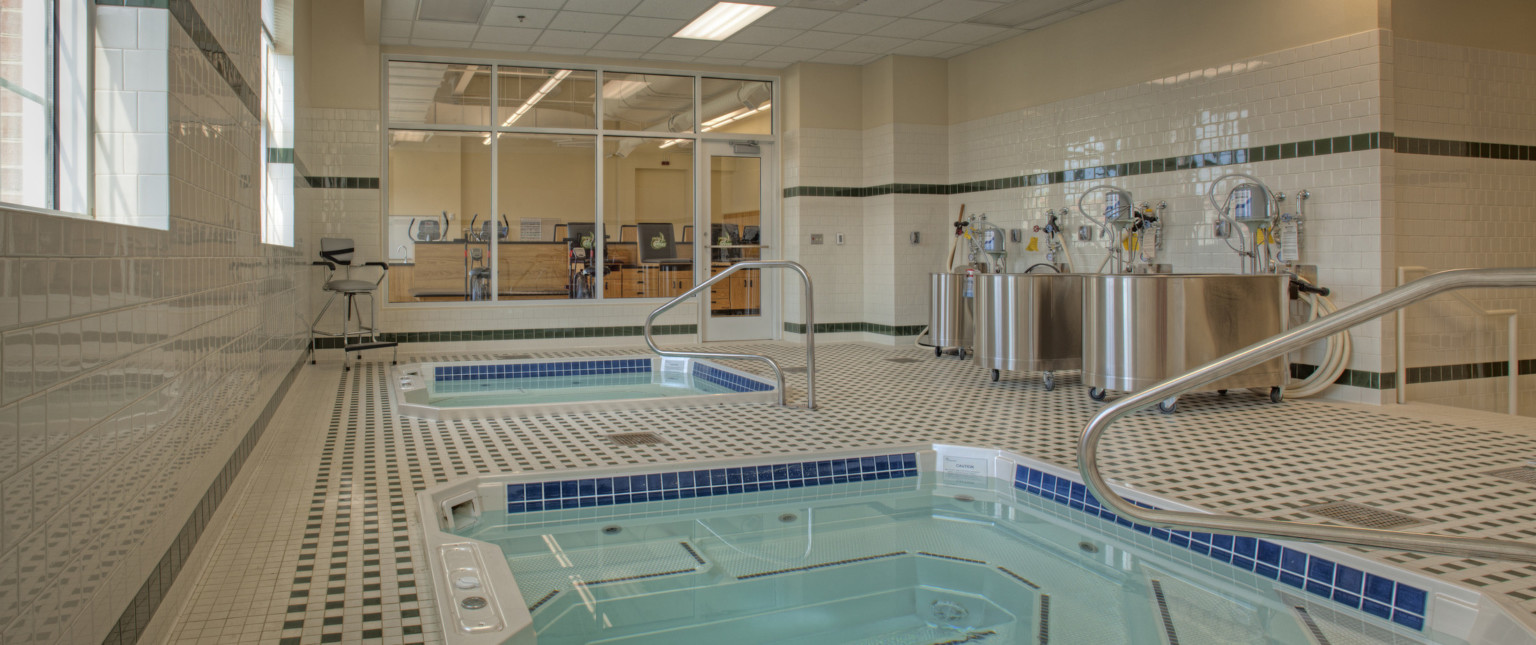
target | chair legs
x=367, y=335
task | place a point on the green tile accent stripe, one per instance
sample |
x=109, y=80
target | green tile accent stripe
x=135, y=618
x=343, y=182
x=1417, y=375
x=1293, y=150
x=515, y=334
x=279, y=155
x=877, y=328
x=142, y=4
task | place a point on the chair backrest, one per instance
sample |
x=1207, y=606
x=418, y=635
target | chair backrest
x=656, y=242
x=337, y=250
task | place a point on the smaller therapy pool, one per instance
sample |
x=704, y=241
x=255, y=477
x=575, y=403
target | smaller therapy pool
x=550, y=386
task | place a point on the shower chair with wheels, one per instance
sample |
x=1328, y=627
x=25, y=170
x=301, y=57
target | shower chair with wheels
x=337, y=252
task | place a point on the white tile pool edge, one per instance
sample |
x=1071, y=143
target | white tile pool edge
x=1452, y=609
x=402, y=382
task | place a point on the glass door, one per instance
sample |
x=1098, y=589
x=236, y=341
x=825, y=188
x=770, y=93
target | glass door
x=735, y=224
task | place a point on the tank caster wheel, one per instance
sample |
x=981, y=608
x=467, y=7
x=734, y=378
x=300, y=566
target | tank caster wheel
x=995, y=375
x=1276, y=394
x=1221, y=392
x=1097, y=394
x=960, y=352
x=1168, y=406
x=937, y=351
x=1050, y=381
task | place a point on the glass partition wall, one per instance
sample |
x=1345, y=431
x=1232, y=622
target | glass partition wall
x=571, y=184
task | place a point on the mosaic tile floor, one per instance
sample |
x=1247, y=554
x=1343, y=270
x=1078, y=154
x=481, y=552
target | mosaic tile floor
x=323, y=544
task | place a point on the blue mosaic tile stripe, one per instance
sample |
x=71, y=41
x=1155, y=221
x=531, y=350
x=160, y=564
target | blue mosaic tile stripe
x=534, y=370
x=686, y=484
x=1381, y=597
x=728, y=380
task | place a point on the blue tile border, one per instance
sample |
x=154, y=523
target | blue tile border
x=686, y=484
x=729, y=380
x=535, y=370
x=1384, y=598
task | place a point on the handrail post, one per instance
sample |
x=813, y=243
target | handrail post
x=810, y=327
x=1365, y=310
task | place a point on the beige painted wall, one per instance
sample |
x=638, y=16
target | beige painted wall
x=1135, y=40
x=905, y=89
x=1508, y=25
x=345, y=73
x=424, y=178
x=823, y=96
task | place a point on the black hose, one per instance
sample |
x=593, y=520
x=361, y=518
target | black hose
x=1037, y=265
x=410, y=229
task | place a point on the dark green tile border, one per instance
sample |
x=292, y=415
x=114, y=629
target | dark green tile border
x=136, y=616
x=1417, y=375
x=141, y=4
x=876, y=328
x=516, y=334
x=343, y=182
x=1294, y=150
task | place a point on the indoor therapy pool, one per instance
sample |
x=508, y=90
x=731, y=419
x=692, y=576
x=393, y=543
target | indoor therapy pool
x=477, y=389
x=920, y=545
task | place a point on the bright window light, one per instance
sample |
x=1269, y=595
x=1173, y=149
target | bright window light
x=722, y=20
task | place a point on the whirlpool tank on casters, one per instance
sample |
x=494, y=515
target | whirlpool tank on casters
x=952, y=292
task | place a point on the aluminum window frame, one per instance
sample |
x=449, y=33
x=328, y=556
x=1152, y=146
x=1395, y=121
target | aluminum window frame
x=387, y=125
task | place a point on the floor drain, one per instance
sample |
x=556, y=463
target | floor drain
x=949, y=612
x=788, y=517
x=902, y=360
x=1361, y=515
x=612, y=530
x=1516, y=474
x=636, y=438
x=964, y=498
x=1088, y=547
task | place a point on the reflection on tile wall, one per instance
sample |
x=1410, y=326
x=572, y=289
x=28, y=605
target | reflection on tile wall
x=1455, y=212
x=133, y=361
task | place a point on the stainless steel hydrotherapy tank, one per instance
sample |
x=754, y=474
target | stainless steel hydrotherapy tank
x=1029, y=322
x=1139, y=329
x=950, y=322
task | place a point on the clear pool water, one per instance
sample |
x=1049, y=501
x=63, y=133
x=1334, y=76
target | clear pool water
x=564, y=389
x=900, y=561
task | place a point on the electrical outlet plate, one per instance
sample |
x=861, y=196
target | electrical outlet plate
x=1016, y=235
x=915, y=237
x=816, y=238
x=838, y=237
x=1222, y=229
x=1085, y=233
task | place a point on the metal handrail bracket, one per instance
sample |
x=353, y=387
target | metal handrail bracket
x=810, y=327
x=1363, y=311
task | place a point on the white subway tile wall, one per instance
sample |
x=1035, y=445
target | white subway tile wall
x=132, y=88
x=133, y=360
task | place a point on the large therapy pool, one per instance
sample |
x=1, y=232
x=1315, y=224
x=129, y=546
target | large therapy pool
x=931, y=544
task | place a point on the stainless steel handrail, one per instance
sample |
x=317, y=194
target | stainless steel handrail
x=810, y=327
x=1365, y=310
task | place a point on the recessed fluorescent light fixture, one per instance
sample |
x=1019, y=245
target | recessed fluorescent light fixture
x=722, y=20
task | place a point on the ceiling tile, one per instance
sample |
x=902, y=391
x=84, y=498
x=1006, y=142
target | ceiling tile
x=613, y=53
x=770, y=64
x=739, y=51
x=892, y=7
x=845, y=58
x=555, y=38
x=910, y=28
x=639, y=26
x=444, y=30
x=624, y=43
x=671, y=57
x=398, y=10
x=756, y=35
x=789, y=54
x=507, y=35
x=957, y=51
x=579, y=21
x=560, y=51
x=620, y=7
x=966, y=33
x=794, y=18
x=819, y=40
x=873, y=44
x=525, y=18
x=498, y=47
x=529, y=4
x=853, y=23
x=395, y=40
x=684, y=46
x=432, y=42
x=956, y=10
x=1048, y=20
x=926, y=48
x=678, y=9
x=395, y=28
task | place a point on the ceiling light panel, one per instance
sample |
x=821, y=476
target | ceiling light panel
x=722, y=20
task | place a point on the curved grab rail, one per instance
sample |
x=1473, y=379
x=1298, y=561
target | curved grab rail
x=1365, y=310
x=810, y=327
